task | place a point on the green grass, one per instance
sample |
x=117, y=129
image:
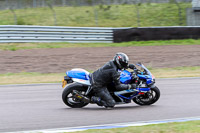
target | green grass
x=33, y=77
x=18, y=46
x=181, y=127
x=176, y=72
x=30, y=78
x=151, y=14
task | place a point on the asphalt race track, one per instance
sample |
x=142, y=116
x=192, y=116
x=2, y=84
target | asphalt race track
x=34, y=107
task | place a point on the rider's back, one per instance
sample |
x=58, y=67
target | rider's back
x=104, y=75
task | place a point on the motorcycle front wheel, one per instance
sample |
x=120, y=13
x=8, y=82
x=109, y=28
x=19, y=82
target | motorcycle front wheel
x=148, y=98
x=70, y=100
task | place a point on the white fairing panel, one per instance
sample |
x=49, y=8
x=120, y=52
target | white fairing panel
x=80, y=69
x=86, y=82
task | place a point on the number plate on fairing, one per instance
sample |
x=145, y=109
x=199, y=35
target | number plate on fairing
x=64, y=82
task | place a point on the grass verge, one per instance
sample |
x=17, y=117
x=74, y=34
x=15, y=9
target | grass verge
x=181, y=127
x=144, y=14
x=30, y=78
x=18, y=46
x=27, y=78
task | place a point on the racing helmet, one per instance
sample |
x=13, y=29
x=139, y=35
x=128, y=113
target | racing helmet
x=121, y=60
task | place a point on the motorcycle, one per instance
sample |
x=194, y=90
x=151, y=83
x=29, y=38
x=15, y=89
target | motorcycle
x=78, y=81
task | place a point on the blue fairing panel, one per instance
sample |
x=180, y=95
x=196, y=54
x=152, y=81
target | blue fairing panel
x=143, y=89
x=78, y=75
x=147, y=77
x=149, y=81
x=144, y=76
x=125, y=77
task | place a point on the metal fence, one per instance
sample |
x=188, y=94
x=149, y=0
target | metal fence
x=15, y=33
x=18, y=4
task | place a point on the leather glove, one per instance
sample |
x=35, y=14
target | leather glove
x=131, y=66
x=132, y=86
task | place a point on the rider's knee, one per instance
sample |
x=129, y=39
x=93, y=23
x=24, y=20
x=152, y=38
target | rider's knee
x=111, y=103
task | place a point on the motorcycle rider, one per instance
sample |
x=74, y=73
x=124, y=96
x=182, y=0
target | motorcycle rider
x=107, y=74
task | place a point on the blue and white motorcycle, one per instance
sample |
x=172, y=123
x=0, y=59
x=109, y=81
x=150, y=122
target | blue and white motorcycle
x=79, y=80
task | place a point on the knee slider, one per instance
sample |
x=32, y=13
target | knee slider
x=111, y=103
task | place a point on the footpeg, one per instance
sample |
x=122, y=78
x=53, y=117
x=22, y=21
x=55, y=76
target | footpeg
x=79, y=96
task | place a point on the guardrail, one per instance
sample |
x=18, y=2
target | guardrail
x=156, y=33
x=196, y=5
x=21, y=33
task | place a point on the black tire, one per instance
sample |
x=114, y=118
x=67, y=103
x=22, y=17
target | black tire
x=148, y=98
x=69, y=100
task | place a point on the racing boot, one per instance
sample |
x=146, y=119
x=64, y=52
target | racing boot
x=96, y=100
x=81, y=97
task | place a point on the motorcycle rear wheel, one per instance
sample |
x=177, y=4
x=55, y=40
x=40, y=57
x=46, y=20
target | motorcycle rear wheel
x=69, y=100
x=148, y=98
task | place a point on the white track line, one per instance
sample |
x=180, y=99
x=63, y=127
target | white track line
x=109, y=126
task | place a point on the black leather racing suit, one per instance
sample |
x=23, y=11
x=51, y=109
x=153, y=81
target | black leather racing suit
x=101, y=78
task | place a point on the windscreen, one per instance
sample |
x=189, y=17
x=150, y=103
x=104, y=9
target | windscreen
x=143, y=68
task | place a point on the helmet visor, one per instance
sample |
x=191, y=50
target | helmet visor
x=124, y=64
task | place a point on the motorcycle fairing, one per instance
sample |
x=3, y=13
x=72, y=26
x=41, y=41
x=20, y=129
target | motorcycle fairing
x=137, y=90
x=125, y=77
x=79, y=75
x=149, y=77
x=86, y=82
